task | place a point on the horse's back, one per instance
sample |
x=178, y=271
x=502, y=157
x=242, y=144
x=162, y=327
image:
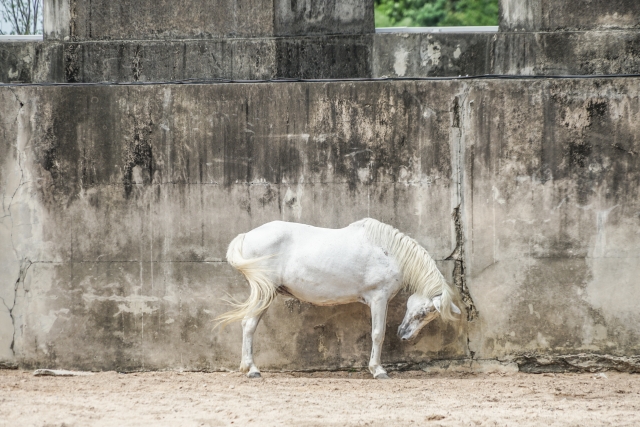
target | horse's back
x=277, y=237
x=269, y=239
x=320, y=265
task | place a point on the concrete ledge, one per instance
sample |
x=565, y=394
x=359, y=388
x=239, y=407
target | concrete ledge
x=379, y=55
x=324, y=57
x=431, y=54
x=567, y=53
x=448, y=30
x=509, y=53
x=31, y=62
x=124, y=61
x=242, y=59
x=12, y=37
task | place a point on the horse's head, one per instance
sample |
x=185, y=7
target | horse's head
x=420, y=311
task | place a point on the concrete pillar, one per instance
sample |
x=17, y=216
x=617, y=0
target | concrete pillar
x=569, y=15
x=84, y=20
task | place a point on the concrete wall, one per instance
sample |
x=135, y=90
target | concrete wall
x=553, y=183
x=508, y=53
x=118, y=202
x=29, y=62
x=348, y=56
x=162, y=61
x=580, y=15
x=107, y=41
x=84, y=20
x=537, y=37
x=132, y=194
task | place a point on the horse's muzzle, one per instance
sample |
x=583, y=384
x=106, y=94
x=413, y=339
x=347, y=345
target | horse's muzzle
x=402, y=333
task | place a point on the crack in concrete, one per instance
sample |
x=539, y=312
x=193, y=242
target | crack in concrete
x=25, y=263
x=22, y=182
x=458, y=163
x=24, y=269
x=16, y=96
x=459, y=276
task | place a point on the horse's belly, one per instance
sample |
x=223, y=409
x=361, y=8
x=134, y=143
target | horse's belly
x=338, y=268
x=321, y=289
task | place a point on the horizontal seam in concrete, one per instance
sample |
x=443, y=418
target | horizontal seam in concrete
x=216, y=39
x=258, y=184
x=198, y=82
x=85, y=261
x=613, y=30
x=559, y=257
x=137, y=261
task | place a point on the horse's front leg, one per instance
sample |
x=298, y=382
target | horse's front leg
x=378, y=324
x=249, y=325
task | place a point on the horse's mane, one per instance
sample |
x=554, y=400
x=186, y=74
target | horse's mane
x=419, y=272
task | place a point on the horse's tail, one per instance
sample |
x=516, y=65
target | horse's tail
x=263, y=290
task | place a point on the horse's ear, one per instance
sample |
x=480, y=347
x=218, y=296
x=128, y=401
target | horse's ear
x=436, y=303
x=455, y=309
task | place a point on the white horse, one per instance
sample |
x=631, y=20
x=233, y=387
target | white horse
x=367, y=261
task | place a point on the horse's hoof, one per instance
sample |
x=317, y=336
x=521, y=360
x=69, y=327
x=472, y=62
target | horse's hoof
x=382, y=377
x=254, y=375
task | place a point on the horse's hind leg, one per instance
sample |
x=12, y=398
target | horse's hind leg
x=378, y=324
x=249, y=325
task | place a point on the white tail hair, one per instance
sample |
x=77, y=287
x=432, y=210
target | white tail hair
x=419, y=271
x=263, y=290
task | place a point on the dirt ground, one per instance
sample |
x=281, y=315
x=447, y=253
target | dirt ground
x=319, y=399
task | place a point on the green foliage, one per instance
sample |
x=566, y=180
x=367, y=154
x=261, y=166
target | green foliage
x=24, y=16
x=435, y=13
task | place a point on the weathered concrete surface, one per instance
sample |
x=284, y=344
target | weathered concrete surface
x=554, y=15
x=170, y=60
x=567, y=53
x=28, y=62
x=118, y=203
x=510, y=53
x=77, y=20
x=324, y=57
x=308, y=17
x=80, y=20
x=553, y=170
x=124, y=61
x=135, y=192
x=106, y=41
x=432, y=55
x=380, y=55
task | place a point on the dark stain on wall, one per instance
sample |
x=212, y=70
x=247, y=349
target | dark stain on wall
x=72, y=56
x=324, y=57
x=139, y=154
x=581, y=138
x=578, y=153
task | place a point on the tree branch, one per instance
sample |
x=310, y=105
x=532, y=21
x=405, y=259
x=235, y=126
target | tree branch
x=22, y=15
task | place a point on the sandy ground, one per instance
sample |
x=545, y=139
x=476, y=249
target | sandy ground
x=314, y=399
